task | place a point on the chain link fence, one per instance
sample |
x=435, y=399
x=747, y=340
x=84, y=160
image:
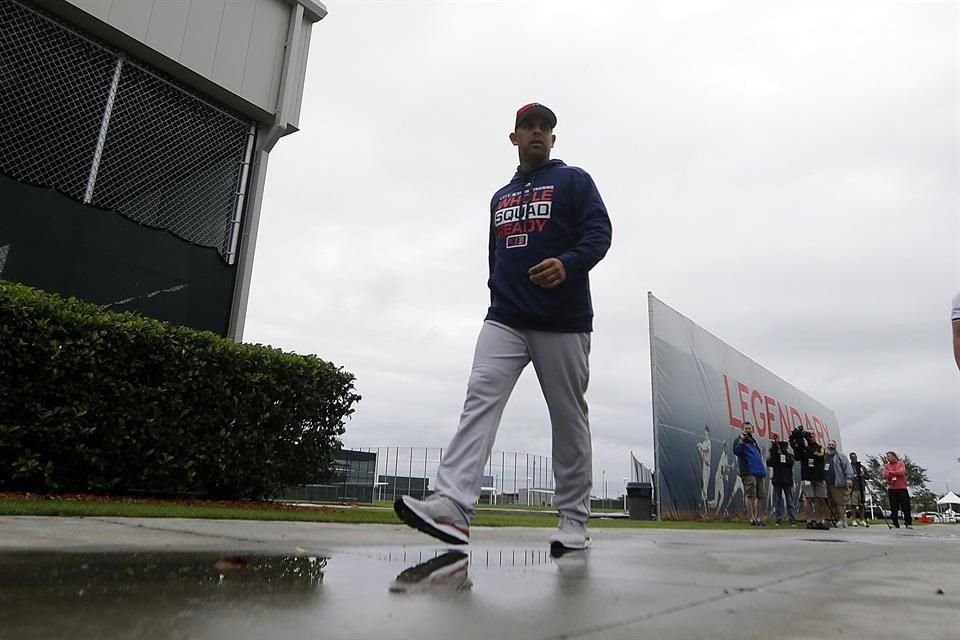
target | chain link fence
x=509, y=477
x=84, y=119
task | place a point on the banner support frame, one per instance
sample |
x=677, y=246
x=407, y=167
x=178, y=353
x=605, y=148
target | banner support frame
x=657, y=477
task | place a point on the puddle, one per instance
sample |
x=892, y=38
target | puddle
x=210, y=595
x=149, y=595
x=87, y=574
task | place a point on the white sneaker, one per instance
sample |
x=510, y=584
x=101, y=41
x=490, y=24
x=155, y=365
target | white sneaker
x=437, y=516
x=855, y=523
x=447, y=572
x=569, y=536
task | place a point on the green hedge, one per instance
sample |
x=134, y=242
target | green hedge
x=94, y=401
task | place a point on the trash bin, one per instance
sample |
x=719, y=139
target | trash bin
x=640, y=500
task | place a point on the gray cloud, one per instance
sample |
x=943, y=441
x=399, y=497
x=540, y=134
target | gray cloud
x=785, y=176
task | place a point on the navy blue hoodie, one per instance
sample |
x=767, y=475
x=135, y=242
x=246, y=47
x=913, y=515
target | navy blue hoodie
x=554, y=211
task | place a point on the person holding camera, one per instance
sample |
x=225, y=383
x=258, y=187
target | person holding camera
x=809, y=453
x=839, y=478
x=753, y=473
x=781, y=462
x=857, y=498
x=895, y=473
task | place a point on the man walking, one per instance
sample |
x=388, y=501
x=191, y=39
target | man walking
x=753, y=472
x=548, y=228
x=781, y=462
x=839, y=478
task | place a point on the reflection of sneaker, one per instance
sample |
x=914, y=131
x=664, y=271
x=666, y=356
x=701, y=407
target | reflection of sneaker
x=447, y=572
x=437, y=516
x=570, y=535
x=570, y=564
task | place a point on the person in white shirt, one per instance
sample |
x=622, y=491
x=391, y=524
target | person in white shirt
x=955, y=321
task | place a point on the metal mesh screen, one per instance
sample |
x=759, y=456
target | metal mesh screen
x=103, y=129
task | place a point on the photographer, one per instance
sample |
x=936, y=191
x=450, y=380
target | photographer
x=839, y=477
x=857, y=492
x=753, y=473
x=781, y=462
x=810, y=455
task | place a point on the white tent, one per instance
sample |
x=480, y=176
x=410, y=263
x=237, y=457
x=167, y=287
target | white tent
x=949, y=499
x=953, y=506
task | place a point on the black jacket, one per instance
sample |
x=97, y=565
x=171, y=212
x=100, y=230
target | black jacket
x=810, y=459
x=782, y=469
x=859, y=474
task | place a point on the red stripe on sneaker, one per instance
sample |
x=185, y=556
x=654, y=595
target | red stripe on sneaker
x=449, y=523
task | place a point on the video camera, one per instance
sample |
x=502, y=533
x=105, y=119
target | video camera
x=798, y=437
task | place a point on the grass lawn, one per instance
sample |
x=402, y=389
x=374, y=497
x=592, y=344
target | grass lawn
x=381, y=513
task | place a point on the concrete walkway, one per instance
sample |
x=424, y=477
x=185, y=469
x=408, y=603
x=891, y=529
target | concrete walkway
x=174, y=578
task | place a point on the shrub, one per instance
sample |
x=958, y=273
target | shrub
x=94, y=401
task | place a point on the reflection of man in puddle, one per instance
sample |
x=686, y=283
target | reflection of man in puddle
x=447, y=573
x=572, y=573
x=703, y=451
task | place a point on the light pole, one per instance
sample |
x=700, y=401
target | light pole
x=624, y=494
x=528, y=490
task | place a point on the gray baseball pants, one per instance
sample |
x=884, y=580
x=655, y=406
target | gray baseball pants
x=561, y=361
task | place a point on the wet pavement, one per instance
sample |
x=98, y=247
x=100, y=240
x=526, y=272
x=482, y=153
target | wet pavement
x=174, y=578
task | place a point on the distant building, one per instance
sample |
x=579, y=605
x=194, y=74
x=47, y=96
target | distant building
x=354, y=472
x=391, y=487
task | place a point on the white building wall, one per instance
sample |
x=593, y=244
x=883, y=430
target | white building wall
x=240, y=45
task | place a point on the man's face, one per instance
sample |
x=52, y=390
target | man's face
x=534, y=138
x=832, y=445
x=748, y=429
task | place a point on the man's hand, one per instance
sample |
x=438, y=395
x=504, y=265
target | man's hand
x=548, y=274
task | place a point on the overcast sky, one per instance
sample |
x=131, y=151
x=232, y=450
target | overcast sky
x=787, y=176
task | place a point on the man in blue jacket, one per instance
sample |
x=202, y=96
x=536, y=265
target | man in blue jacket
x=548, y=228
x=753, y=471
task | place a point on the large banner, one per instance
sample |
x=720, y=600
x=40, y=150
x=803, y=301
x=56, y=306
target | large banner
x=703, y=392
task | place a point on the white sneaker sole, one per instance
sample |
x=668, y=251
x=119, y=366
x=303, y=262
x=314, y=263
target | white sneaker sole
x=557, y=548
x=447, y=572
x=414, y=517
